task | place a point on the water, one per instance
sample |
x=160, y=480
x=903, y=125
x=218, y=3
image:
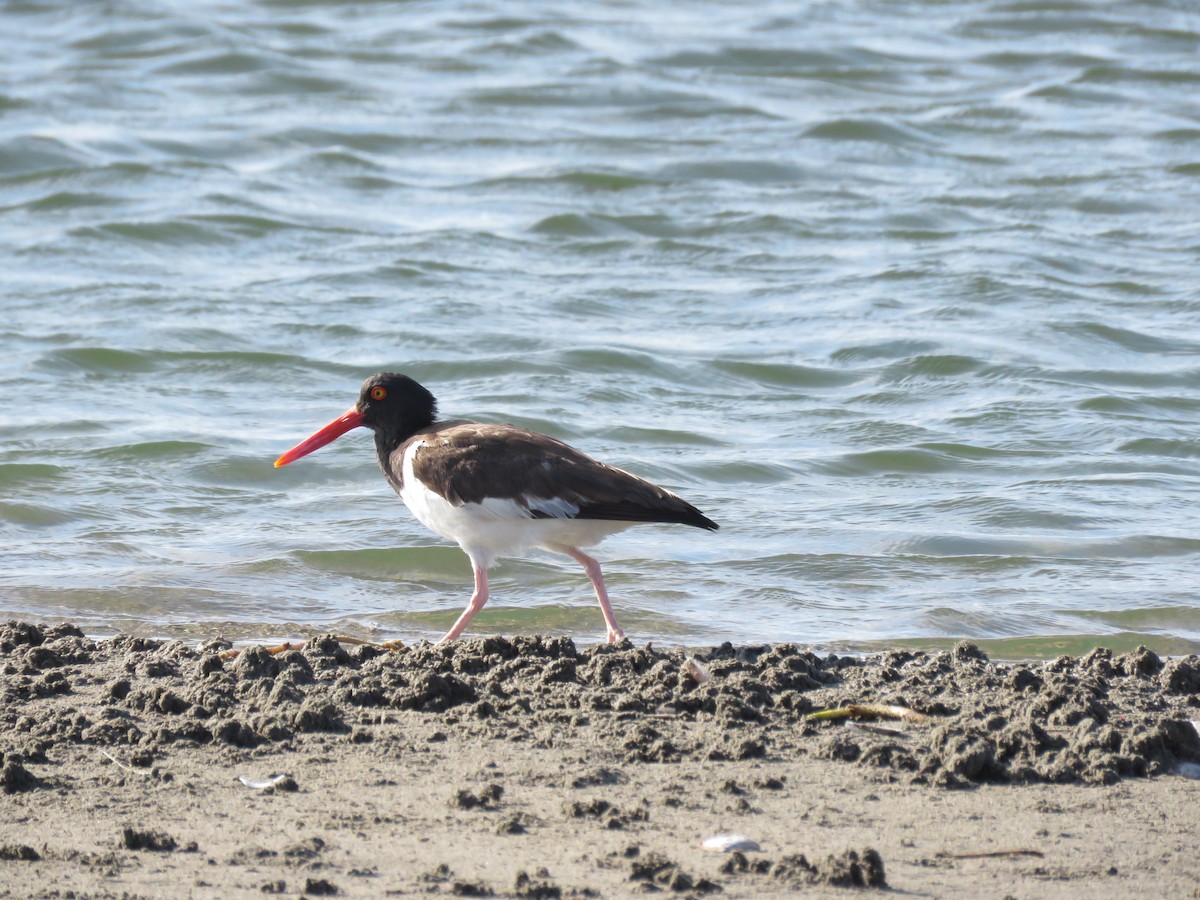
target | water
x=903, y=294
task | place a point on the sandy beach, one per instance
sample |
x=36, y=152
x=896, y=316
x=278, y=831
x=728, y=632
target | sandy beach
x=531, y=767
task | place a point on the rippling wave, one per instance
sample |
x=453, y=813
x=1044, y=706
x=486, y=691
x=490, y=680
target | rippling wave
x=903, y=295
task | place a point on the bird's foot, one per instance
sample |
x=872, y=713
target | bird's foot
x=615, y=635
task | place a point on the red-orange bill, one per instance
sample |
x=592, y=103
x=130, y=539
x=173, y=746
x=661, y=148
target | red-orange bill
x=350, y=419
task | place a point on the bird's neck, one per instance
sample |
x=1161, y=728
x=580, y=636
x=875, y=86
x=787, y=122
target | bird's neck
x=389, y=439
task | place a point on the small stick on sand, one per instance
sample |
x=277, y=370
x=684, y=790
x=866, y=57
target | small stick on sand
x=234, y=652
x=128, y=768
x=391, y=646
x=995, y=854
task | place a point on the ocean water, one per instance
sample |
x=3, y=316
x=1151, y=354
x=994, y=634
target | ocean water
x=903, y=294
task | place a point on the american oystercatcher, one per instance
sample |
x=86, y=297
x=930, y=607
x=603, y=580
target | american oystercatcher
x=498, y=490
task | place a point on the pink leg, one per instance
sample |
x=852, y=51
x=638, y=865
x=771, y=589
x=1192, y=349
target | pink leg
x=478, y=598
x=593, y=572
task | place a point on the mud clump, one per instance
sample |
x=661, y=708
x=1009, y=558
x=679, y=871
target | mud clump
x=471, y=889
x=656, y=870
x=14, y=777
x=487, y=798
x=851, y=869
x=857, y=869
x=18, y=853
x=320, y=887
x=303, y=851
x=154, y=841
x=602, y=811
x=1092, y=719
x=535, y=887
x=517, y=823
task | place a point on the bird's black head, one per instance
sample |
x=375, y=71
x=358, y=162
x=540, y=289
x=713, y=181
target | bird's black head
x=394, y=406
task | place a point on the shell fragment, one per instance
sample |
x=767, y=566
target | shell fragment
x=728, y=843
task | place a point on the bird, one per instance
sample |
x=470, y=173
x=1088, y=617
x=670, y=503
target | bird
x=498, y=490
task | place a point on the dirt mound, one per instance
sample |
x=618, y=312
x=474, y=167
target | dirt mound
x=1093, y=719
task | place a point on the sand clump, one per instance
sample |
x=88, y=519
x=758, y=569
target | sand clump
x=1093, y=719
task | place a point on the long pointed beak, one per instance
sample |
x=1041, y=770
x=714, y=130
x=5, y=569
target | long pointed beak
x=352, y=418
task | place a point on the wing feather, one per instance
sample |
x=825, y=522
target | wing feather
x=541, y=476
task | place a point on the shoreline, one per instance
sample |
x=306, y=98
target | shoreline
x=531, y=767
x=1035, y=649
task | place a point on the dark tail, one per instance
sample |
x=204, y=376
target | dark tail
x=671, y=510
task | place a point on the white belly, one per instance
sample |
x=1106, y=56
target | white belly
x=497, y=527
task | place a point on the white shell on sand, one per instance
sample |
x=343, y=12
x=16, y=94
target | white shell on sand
x=695, y=671
x=727, y=843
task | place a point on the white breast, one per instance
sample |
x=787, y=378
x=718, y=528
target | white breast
x=500, y=527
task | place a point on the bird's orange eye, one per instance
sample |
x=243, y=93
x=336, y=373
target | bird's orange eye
x=378, y=393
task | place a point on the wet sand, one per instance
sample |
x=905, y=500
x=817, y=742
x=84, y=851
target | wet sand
x=532, y=768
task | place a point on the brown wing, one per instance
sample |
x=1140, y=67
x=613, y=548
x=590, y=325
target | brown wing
x=466, y=463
